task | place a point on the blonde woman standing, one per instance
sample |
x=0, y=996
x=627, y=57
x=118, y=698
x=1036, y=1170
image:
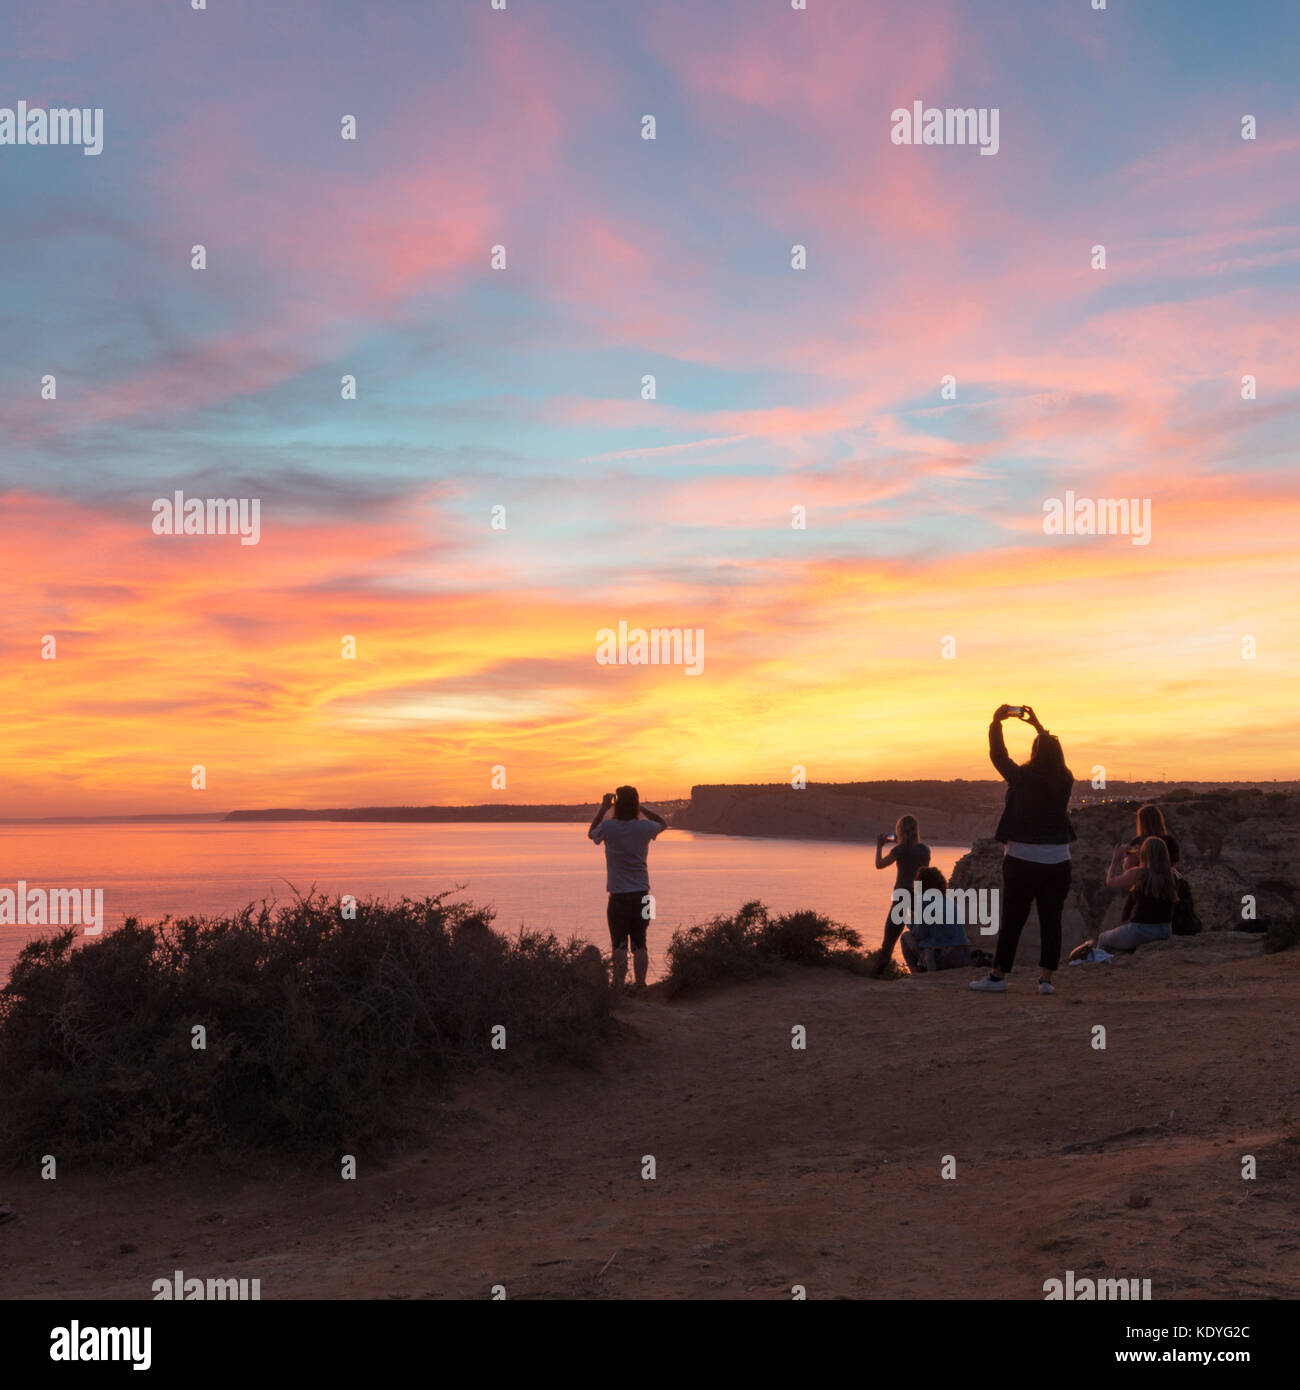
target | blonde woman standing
x=909, y=856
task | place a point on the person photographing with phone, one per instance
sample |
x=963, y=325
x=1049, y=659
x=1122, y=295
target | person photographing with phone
x=626, y=839
x=1036, y=834
x=910, y=856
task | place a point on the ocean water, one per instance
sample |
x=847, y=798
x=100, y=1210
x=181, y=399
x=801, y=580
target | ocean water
x=535, y=876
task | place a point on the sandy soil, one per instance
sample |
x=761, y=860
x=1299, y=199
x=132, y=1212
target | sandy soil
x=777, y=1167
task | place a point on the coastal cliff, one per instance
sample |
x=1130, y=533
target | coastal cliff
x=953, y=812
x=1233, y=846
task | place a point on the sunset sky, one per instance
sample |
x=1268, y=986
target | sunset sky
x=522, y=388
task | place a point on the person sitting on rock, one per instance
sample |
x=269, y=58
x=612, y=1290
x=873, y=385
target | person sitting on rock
x=1156, y=889
x=930, y=946
x=1150, y=821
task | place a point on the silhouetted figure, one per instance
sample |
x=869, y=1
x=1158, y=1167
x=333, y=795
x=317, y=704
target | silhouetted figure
x=1154, y=887
x=929, y=946
x=910, y=856
x=627, y=879
x=1036, y=833
x=1150, y=821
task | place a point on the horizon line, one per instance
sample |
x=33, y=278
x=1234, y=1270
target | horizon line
x=1208, y=783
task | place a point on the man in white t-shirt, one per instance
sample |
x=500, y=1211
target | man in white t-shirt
x=627, y=879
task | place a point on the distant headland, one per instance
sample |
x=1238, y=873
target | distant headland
x=951, y=812
x=955, y=812
x=408, y=814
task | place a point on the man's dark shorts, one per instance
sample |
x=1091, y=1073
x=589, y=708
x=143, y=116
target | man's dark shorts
x=624, y=917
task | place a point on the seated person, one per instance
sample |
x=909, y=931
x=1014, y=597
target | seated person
x=935, y=946
x=1150, y=821
x=1155, y=889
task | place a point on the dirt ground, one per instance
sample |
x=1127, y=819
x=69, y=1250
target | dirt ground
x=776, y=1167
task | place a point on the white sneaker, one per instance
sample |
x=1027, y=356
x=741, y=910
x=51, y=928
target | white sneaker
x=1046, y=987
x=991, y=982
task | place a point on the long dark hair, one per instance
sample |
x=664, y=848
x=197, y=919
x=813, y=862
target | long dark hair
x=1047, y=759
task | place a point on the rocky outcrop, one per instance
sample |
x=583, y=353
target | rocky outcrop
x=952, y=812
x=1234, y=847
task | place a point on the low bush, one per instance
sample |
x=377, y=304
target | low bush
x=751, y=943
x=315, y=1026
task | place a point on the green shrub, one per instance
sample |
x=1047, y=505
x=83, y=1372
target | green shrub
x=751, y=944
x=317, y=1028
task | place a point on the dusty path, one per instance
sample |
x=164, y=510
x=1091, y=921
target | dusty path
x=777, y=1167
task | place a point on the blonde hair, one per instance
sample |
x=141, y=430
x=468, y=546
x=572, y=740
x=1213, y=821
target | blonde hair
x=907, y=830
x=1157, y=877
